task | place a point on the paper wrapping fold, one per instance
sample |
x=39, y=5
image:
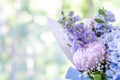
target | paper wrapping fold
x=59, y=36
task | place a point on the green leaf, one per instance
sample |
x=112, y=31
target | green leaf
x=95, y=72
x=97, y=77
x=101, y=11
x=103, y=76
x=99, y=21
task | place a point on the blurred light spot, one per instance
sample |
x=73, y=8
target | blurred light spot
x=30, y=73
x=53, y=69
x=8, y=67
x=37, y=45
x=29, y=50
x=8, y=41
x=41, y=20
x=47, y=37
x=2, y=16
x=49, y=6
x=38, y=48
x=24, y=17
x=8, y=10
x=3, y=30
x=18, y=4
x=30, y=63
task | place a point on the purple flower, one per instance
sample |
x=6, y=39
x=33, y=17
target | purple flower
x=69, y=28
x=90, y=37
x=62, y=20
x=71, y=13
x=70, y=20
x=70, y=37
x=79, y=30
x=76, y=44
x=109, y=17
x=76, y=18
x=109, y=27
x=99, y=16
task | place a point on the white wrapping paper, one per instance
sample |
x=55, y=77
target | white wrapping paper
x=59, y=36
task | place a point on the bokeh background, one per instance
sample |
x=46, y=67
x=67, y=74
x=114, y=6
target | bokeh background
x=28, y=50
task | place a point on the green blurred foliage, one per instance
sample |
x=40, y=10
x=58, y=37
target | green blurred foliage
x=28, y=50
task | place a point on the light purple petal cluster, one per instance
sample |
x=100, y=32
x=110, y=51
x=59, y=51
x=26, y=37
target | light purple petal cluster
x=77, y=32
x=88, y=57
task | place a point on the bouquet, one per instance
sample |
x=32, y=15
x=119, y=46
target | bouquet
x=92, y=45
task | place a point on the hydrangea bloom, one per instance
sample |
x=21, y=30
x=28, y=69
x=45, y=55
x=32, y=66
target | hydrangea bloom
x=117, y=76
x=112, y=39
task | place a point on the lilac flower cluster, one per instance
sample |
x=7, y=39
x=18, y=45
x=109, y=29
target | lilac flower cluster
x=95, y=43
x=76, y=31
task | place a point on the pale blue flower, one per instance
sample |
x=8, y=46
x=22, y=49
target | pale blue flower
x=109, y=17
x=70, y=20
x=71, y=13
x=62, y=20
x=114, y=67
x=114, y=57
x=117, y=76
x=109, y=74
x=99, y=16
x=76, y=18
x=110, y=37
